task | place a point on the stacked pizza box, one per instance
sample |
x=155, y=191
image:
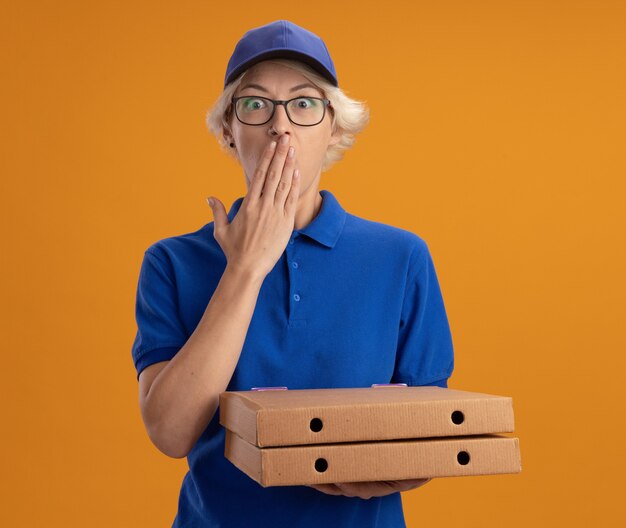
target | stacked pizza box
x=284, y=437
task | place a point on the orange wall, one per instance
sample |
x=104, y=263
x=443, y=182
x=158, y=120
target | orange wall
x=506, y=156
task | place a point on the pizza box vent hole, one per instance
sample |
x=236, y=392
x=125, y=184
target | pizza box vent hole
x=463, y=458
x=321, y=465
x=316, y=425
x=458, y=417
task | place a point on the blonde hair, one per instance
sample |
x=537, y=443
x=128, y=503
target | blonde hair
x=347, y=115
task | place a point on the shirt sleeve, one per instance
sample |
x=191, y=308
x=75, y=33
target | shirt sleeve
x=160, y=332
x=425, y=353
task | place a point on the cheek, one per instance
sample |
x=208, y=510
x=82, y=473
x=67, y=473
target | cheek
x=250, y=153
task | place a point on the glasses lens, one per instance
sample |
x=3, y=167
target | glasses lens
x=254, y=110
x=306, y=110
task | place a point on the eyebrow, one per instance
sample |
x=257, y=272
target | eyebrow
x=299, y=87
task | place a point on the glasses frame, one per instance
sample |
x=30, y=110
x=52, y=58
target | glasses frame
x=283, y=103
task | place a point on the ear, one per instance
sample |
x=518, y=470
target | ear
x=227, y=135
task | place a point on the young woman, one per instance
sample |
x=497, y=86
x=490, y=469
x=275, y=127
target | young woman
x=286, y=289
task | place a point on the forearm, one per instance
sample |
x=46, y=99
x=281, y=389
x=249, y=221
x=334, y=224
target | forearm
x=184, y=397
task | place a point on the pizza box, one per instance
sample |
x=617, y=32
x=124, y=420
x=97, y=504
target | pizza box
x=374, y=461
x=273, y=418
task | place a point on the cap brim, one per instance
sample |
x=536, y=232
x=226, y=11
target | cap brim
x=284, y=54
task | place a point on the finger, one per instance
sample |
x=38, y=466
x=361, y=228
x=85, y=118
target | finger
x=284, y=184
x=409, y=484
x=275, y=170
x=291, y=202
x=413, y=482
x=258, y=178
x=220, y=218
x=330, y=489
x=369, y=489
x=350, y=489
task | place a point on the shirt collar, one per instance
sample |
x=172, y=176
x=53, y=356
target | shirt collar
x=325, y=228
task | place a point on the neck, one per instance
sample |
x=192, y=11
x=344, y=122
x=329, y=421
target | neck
x=308, y=207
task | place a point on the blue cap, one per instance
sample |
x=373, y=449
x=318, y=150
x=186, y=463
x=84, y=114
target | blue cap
x=280, y=39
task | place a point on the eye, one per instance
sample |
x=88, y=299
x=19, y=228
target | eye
x=305, y=102
x=252, y=103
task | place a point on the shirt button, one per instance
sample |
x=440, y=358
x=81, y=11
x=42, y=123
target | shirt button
x=294, y=264
x=296, y=297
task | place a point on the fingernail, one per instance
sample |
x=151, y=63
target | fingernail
x=273, y=144
x=284, y=140
x=210, y=200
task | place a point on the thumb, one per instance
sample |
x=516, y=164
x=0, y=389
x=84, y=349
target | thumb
x=219, y=212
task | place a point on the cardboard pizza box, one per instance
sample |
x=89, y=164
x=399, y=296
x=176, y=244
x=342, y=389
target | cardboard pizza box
x=272, y=418
x=370, y=461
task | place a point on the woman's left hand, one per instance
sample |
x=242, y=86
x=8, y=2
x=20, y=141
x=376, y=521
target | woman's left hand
x=367, y=490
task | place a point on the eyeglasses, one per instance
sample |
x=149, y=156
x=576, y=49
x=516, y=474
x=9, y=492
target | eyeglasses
x=303, y=111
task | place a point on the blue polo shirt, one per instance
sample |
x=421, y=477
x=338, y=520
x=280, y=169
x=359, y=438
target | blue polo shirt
x=350, y=302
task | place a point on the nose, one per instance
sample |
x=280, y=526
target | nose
x=280, y=121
